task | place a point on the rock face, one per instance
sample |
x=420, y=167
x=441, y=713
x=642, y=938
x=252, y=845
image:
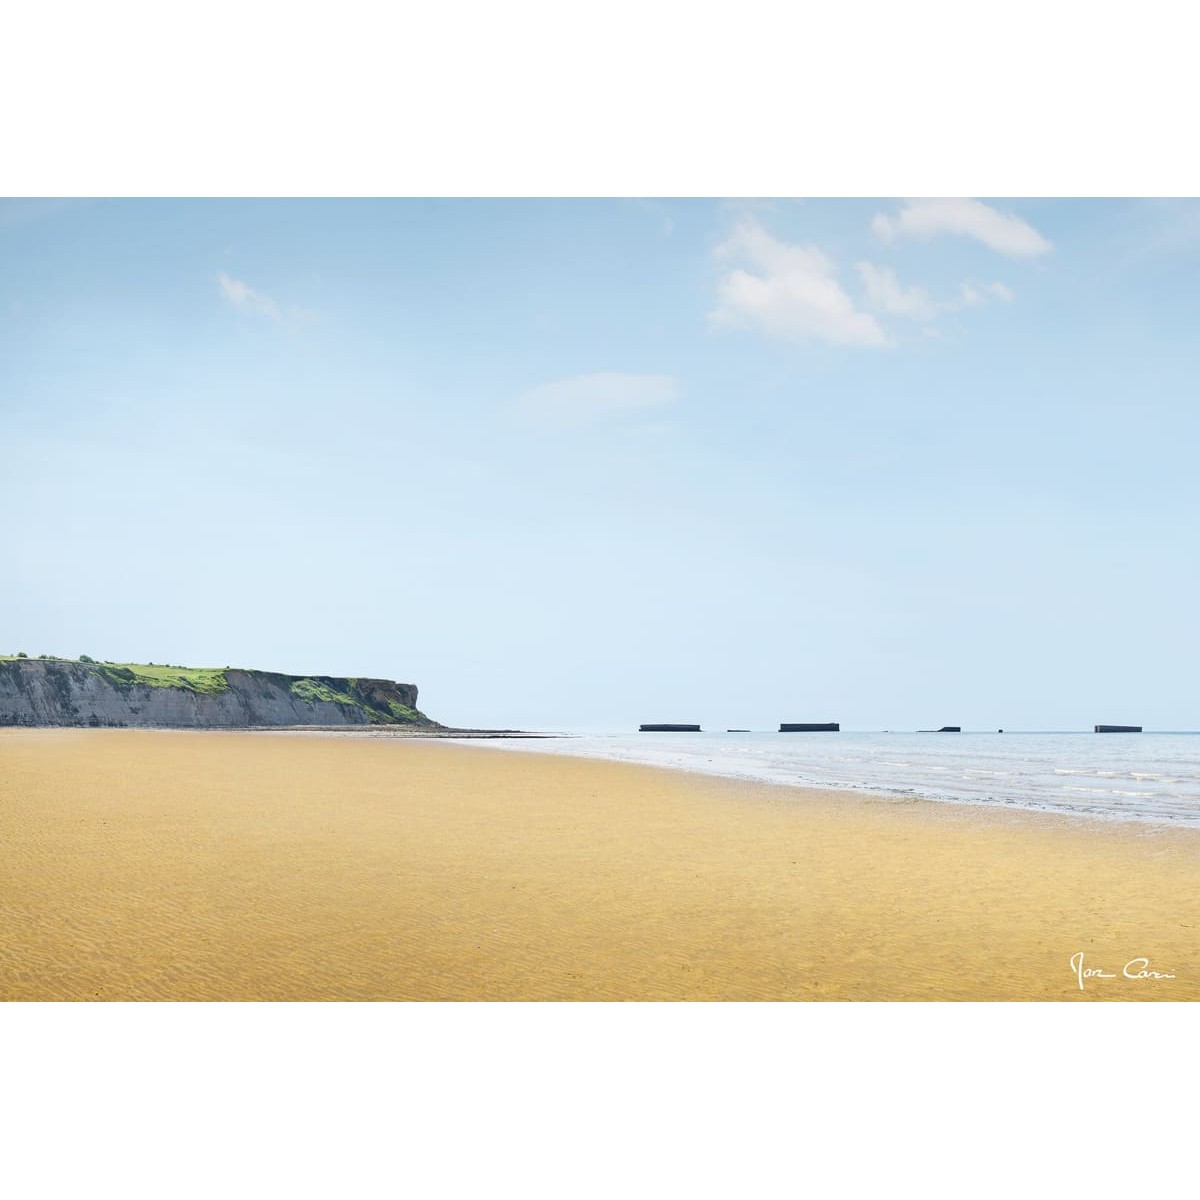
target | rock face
x=56, y=692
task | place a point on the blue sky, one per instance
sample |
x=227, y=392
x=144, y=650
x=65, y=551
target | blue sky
x=590, y=463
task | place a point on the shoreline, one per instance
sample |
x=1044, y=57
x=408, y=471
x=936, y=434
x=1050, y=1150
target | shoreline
x=776, y=791
x=469, y=736
x=901, y=794
x=169, y=867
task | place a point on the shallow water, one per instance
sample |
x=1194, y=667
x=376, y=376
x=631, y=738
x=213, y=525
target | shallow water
x=1148, y=776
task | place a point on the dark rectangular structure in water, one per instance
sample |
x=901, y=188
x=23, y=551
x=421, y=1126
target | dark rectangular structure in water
x=1117, y=729
x=944, y=729
x=818, y=727
x=668, y=729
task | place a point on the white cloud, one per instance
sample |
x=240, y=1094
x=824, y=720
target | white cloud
x=887, y=294
x=884, y=292
x=242, y=296
x=970, y=296
x=792, y=292
x=1002, y=232
x=580, y=398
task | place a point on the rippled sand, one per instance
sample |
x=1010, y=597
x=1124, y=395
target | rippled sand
x=208, y=866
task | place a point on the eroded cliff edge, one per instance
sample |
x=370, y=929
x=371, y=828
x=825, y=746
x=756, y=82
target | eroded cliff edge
x=36, y=691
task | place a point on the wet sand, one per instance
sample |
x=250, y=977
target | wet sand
x=142, y=865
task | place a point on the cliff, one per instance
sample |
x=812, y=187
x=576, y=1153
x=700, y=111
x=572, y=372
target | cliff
x=35, y=691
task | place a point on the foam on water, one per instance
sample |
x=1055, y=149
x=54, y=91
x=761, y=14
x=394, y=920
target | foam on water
x=1145, y=777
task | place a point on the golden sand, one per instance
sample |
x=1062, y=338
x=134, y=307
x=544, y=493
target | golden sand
x=210, y=866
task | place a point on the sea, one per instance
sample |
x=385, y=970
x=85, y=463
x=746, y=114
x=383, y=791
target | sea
x=1152, y=777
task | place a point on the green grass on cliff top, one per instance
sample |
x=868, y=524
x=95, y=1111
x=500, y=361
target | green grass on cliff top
x=212, y=680
x=193, y=679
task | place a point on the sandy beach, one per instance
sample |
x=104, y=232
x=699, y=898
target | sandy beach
x=145, y=865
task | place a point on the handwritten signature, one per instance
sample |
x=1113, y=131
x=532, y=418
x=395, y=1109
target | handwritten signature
x=1135, y=968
